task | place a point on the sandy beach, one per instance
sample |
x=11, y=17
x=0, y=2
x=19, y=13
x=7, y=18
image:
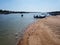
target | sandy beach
x=42, y=32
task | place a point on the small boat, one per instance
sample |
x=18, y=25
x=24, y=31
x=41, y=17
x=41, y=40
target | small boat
x=22, y=15
x=39, y=16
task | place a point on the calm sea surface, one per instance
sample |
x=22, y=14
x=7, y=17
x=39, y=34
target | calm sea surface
x=12, y=25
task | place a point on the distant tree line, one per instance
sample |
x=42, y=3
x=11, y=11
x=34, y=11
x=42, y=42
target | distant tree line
x=9, y=12
x=4, y=12
x=54, y=13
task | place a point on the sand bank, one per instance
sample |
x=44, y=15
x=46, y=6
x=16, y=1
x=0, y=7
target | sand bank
x=43, y=32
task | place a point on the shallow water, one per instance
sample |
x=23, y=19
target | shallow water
x=12, y=25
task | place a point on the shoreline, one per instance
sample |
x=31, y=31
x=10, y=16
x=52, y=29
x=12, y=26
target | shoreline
x=42, y=32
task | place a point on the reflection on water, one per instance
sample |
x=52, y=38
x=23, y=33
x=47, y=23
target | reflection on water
x=11, y=26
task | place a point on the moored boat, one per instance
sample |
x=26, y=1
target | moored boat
x=39, y=16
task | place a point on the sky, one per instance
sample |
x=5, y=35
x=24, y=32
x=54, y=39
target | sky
x=30, y=5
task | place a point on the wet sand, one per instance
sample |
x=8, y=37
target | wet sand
x=43, y=32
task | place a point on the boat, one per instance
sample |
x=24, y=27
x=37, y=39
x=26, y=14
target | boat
x=40, y=16
x=22, y=15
